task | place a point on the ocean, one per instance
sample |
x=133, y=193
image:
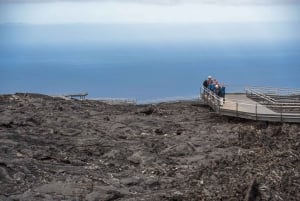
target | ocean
x=144, y=69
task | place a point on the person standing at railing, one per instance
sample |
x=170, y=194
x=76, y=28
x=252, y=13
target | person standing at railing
x=209, y=79
x=211, y=84
x=222, y=92
x=217, y=90
x=207, y=82
x=214, y=84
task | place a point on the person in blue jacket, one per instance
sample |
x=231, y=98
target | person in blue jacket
x=211, y=87
x=211, y=84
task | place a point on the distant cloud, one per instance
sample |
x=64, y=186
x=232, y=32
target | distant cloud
x=170, y=2
x=148, y=11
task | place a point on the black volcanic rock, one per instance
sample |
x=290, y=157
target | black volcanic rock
x=56, y=149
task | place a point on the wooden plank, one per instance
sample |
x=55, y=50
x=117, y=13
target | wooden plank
x=244, y=104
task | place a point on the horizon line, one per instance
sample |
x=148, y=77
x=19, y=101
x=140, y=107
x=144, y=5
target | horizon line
x=152, y=23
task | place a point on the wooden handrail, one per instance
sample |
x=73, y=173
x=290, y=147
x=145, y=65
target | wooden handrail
x=278, y=91
x=259, y=94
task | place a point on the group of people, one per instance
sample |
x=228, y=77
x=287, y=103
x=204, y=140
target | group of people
x=214, y=86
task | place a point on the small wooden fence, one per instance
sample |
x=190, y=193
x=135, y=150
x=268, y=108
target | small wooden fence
x=81, y=96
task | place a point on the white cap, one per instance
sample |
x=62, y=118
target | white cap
x=209, y=77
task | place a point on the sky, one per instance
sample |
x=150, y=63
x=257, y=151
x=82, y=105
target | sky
x=148, y=11
x=93, y=33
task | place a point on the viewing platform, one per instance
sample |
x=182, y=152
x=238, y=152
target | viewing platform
x=257, y=103
x=81, y=96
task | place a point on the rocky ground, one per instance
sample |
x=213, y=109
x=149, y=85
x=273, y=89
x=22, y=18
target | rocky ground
x=56, y=149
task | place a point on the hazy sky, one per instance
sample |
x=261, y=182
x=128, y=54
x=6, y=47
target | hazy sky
x=193, y=37
x=147, y=11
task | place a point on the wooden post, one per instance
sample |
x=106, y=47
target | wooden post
x=256, y=111
x=201, y=95
x=281, y=112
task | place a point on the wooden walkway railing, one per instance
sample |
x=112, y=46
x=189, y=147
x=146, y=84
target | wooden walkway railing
x=253, y=104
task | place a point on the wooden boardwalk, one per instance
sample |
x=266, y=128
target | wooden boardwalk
x=240, y=105
x=244, y=104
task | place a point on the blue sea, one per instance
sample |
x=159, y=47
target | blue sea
x=106, y=64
